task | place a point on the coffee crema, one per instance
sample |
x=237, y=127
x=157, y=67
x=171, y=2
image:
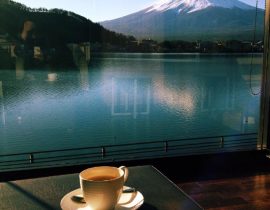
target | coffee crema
x=102, y=178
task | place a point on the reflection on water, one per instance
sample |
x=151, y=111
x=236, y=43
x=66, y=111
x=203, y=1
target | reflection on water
x=127, y=98
x=19, y=66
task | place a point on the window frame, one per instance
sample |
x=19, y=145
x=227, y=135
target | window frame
x=264, y=133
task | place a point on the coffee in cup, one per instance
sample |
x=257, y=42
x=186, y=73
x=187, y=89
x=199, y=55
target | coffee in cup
x=102, y=186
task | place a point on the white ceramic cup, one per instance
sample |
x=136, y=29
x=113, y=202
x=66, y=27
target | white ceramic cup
x=102, y=186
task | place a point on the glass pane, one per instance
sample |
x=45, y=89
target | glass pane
x=105, y=80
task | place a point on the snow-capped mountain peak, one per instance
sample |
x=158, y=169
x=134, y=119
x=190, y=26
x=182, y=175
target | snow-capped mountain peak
x=190, y=6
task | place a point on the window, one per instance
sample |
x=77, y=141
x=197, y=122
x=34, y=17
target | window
x=170, y=78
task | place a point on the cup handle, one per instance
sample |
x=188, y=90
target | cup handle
x=125, y=169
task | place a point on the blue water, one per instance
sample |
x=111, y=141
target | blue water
x=124, y=98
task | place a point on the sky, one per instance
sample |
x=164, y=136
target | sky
x=100, y=10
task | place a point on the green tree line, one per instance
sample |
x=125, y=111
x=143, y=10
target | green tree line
x=57, y=25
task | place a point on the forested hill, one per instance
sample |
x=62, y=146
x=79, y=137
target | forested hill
x=58, y=26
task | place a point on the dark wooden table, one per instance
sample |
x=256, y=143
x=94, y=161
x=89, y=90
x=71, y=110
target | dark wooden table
x=46, y=193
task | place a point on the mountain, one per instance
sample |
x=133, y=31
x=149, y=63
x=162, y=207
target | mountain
x=189, y=6
x=191, y=20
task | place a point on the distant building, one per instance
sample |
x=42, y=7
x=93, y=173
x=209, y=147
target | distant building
x=234, y=45
x=148, y=45
x=149, y=42
x=7, y=45
x=4, y=43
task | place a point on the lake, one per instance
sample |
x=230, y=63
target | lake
x=132, y=98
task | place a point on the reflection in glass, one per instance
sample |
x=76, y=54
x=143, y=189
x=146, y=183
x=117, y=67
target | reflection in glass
x=81, y=58
x=52, y=77
x=130, y=96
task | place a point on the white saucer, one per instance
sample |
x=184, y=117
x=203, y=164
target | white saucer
x=128, y=201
